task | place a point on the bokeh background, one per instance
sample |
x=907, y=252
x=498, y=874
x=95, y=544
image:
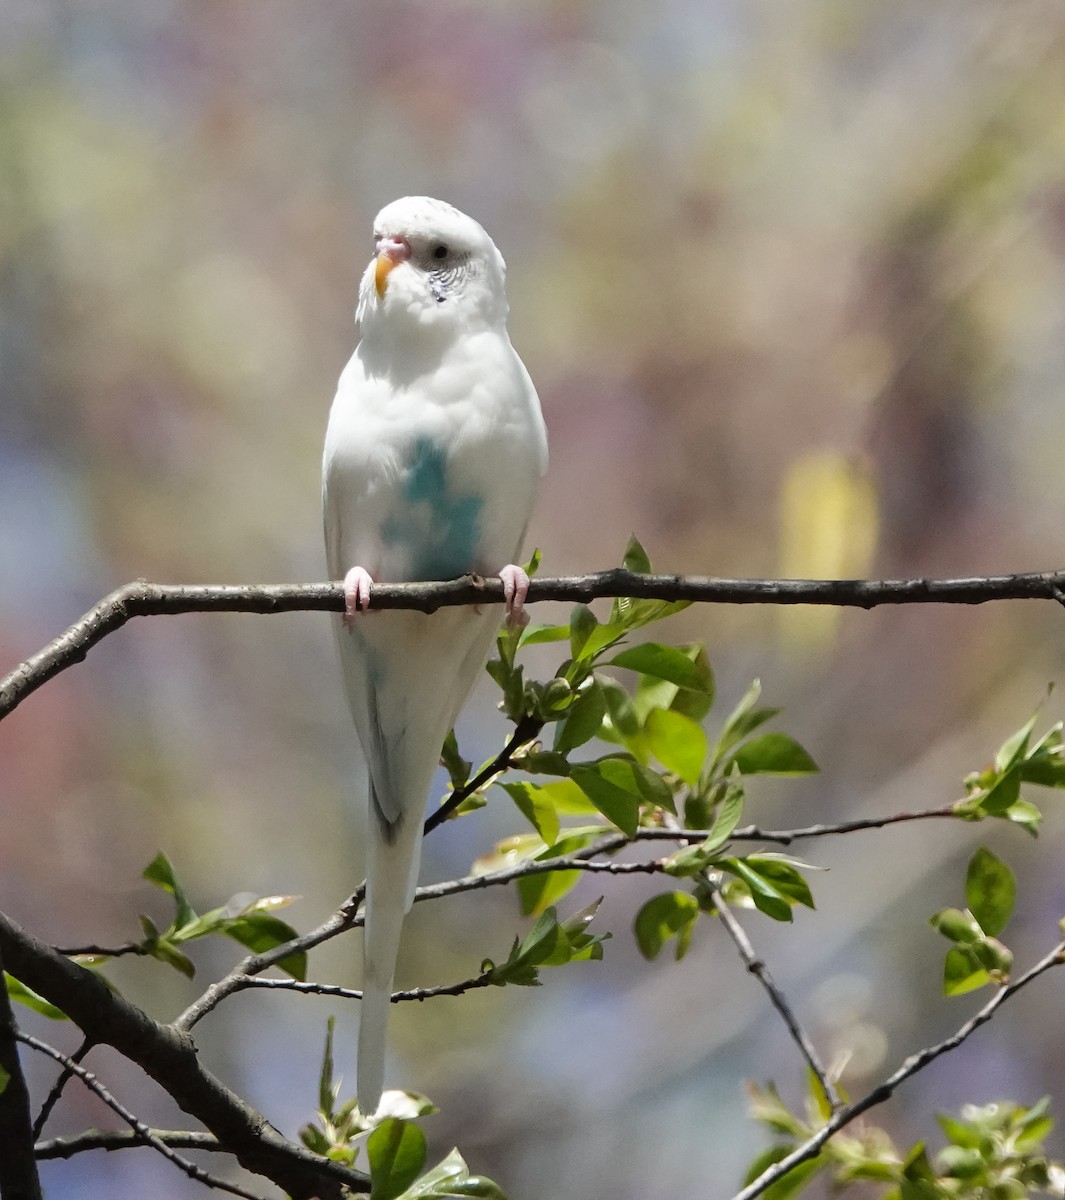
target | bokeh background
x=790, y=277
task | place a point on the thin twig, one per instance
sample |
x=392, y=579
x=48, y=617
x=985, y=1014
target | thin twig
x=170, y=1058
x=758, y=968
x=347, y=916
x=343, y=993
x=752, y=833
x=191, y=1169
x=883, y=1091
x=18, y=1168
x=65, y=1076
x=141, y=598
x=525, y=731
x=103, y=951
x=125, y=1139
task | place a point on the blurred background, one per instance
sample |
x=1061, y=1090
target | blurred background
x=790, y=277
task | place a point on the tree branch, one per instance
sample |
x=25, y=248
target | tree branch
x=170, y=1058
x=65, y=1076
x=124, y=1139
x=347, y=916
x=525, y=731
x=141, y=598
x=343, y=993
x=18, y=1169
x=916, y=1062
x=757, y=967
x=753, y=833
x=142, y=1131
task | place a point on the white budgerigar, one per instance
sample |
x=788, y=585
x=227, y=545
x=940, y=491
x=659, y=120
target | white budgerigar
x=433, y=455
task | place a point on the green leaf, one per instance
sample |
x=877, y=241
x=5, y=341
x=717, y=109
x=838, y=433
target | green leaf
x=511, y=681
x=956, y=1162
x=160, y=872
x=457, y=767
x=956, y=925
x=669, y=663
x=167, y=952
x=5, y=1079
x=532, y=951
x=327, y=1089
x=1003, y=793
x=262, y=931
x=767, y=897
x=1026, y=815
x=784, y=875
x=538, y=892
x=669, y=915
x=990, y=891
x=961, y=1133
x=583, y=720
x=624, y=721
x=726, y=820
x=543, y=762
x=773, y=754
x=617, y=804
x=582, y=624
x=796, y=1179
x=994, y=957
x=450, y=1179
x=635, y=558
x=536, y=806
x=579, y=944
x=691, y=860
x=653, y=788
x=1013, y=749
x=396, y=1151
x=19, y=992
x=962, y=973
x=743, y=719
x=535, y=635
x=627, y=612
x=678, y=743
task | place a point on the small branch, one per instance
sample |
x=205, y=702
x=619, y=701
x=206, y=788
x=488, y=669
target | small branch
x=348, y=917
x=916, y=1062
x=65, y=1076
x=524, y=732
x=760, y=971
x=103, y=951
x=141, y=599
x=343, y=993
x=344, y=918
x=143, y=1132
x=752, y=833
x=18, y=1168
x=170, y=1058
x=125, y=1139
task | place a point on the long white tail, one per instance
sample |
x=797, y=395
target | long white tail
x=391, y=877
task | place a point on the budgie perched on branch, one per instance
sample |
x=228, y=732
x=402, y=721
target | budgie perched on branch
x=433, y=456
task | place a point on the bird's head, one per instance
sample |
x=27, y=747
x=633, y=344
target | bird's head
x=433, y=266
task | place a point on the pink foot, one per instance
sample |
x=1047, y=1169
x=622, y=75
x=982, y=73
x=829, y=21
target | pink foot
x=357, y=583
x=515, y=589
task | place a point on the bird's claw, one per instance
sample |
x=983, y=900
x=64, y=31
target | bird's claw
x=357, y=584
x=515, y=589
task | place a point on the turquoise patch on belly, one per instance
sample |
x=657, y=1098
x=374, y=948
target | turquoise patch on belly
x=436, y=525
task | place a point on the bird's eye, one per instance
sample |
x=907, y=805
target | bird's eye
x=440, y=251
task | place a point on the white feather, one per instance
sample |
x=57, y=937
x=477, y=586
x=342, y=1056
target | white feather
x=433, y=454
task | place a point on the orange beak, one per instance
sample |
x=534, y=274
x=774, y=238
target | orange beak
x=391, y=251
x=385, y=264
